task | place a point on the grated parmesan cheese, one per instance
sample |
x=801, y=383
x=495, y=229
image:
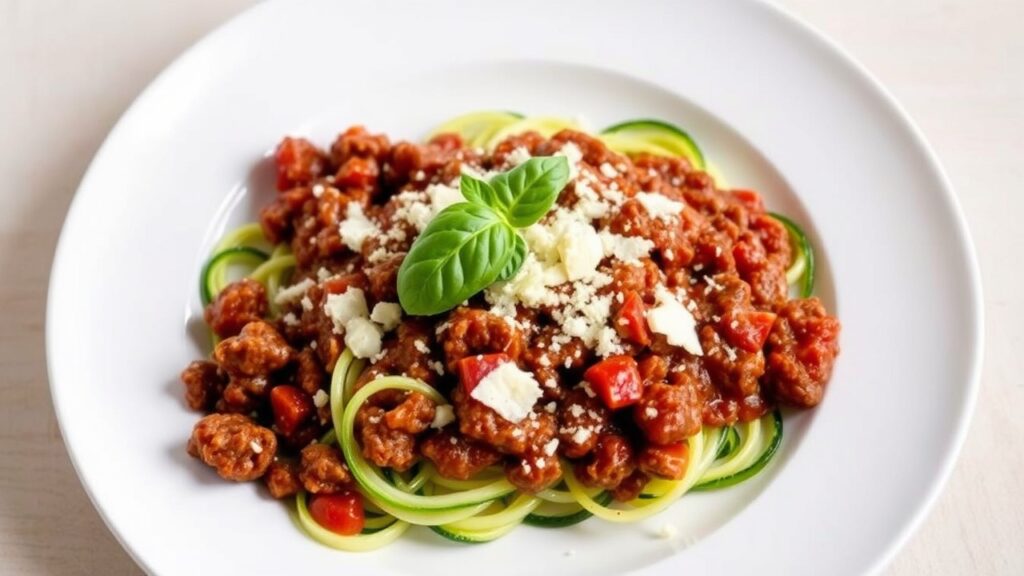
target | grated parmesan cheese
x=356, y=227
x=660, y=206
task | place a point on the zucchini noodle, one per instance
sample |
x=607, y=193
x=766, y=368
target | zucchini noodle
x=488, y=506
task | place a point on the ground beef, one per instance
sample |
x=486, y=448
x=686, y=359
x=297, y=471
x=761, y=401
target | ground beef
x=631, y=487
x=358, y=142
x=417, y=163
x=582, y=418
x=322, y=470
x=611, y=462
x=481, y=423
x=410, y=352
x=382, y=445
x=734, y=370
x=298, y=162
x=236, y=399
x=413, y=416
x=529, y=141
x=666, y=462
x=545, y=358
x=276, y=218
x=282, y=478
x=257, y=351
x=204, y=383
x=359, y=176
x=456, y=456
x=534, y=471
x=238, y=304
x=768, y=282
x=653, y=369
x=801, y=350
x=471, y=331
x=671, y=246
x=383, y=277
x=668, y=414
x=233, y=445
x=309, y=376
x=640, y=278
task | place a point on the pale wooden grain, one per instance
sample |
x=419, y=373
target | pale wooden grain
x=69, y=68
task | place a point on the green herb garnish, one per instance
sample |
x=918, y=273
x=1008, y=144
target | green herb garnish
x=470, y=245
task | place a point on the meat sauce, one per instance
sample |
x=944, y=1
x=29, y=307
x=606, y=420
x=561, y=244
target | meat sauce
x=723, y=251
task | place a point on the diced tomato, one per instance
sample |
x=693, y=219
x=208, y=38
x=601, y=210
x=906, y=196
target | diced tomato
x=340, y=513
x=748, y=330
x=750, y=199
x=472, y=369
x=631, y=321
x=298, y=161
x=357, y=172
x=291, y=407
x=616, y=380
x=341, y=284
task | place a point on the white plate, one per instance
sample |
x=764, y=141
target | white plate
x=775, y=107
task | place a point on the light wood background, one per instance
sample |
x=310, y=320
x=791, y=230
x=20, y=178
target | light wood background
x=68, y=69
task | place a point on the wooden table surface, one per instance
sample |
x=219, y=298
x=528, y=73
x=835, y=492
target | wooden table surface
x=68, y=69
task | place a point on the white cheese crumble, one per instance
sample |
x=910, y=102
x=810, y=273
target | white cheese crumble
x=320, y=399
x=341, y=308
x=256, y=447
x=659, y=205
x=518, y=156
x=651, y=412
x=293, y=292
x=667, y=532
x=290, y=319
x=363, y=337
x=573, y=154
x=673, y=320
x=443, y=416
x=608, y=170
x=509, y=391
x=356, y=227
x=387, y=314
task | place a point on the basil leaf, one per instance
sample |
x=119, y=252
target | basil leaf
x=524, y=194
x=461, y=252
x=516, y=261
x=476, y=191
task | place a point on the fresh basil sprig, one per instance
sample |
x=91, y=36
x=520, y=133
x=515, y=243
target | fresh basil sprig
x=470, y=245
